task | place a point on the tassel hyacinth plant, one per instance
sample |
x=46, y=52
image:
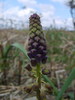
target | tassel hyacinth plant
x=37, y=47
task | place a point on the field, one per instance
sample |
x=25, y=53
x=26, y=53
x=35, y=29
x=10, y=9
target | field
x=16, y=80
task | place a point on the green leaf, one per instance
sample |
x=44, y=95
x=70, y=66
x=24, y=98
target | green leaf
x=18, y=46
x=21, y=48
x=46, y=79
x=66, y=84
x=71, y=95
x=5, y=50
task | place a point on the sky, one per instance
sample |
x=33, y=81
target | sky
x=52, y=12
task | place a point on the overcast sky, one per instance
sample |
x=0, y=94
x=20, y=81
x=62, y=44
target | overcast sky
x=50, y=11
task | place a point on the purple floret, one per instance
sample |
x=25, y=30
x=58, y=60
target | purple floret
x=44, y=59
x=33, y=62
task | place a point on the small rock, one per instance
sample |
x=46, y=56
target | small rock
x=29, y=81
x=32, y=98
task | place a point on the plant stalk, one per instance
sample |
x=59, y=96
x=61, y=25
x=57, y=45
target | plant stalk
x=4, y=72
x=38, y=70
x=20, y=71
x=4, y=77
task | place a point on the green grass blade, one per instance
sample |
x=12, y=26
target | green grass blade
x=66, y=84
x=46, y=79
x=6, y=50
x=71, y=94
x=18, y=46
x=21, y=48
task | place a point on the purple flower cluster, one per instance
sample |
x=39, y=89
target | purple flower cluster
x=36, y=43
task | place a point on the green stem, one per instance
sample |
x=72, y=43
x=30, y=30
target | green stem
x=4, y=72
x=38, y=69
